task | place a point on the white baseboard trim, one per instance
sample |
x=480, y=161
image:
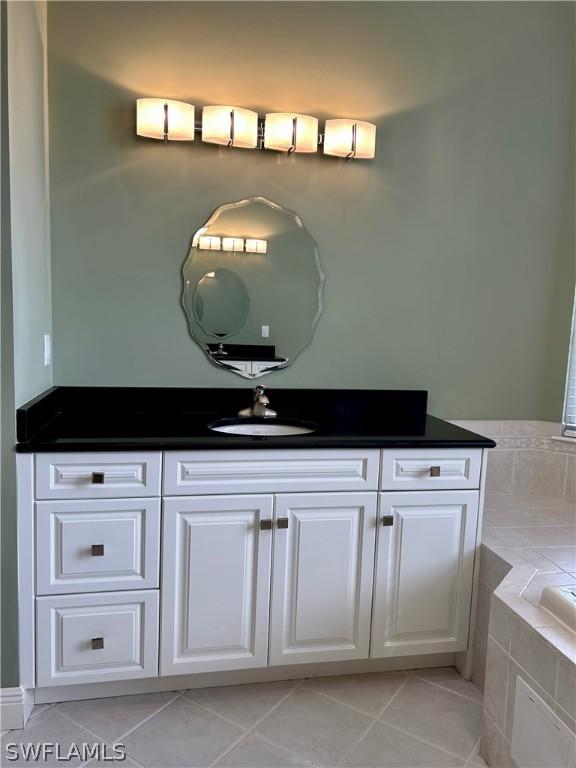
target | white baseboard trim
x=15, y=707
x=212, y=679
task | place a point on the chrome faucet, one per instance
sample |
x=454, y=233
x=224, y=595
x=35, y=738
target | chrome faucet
x=260, y=406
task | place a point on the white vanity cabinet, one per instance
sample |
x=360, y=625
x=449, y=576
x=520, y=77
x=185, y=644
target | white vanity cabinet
x=216, y=583
x=424, y=568
x=323, y=573
x=154, y=564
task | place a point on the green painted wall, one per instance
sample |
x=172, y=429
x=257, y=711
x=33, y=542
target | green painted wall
x=8, y=595
x=30, y=209
x=25, y=275
x=449, y=259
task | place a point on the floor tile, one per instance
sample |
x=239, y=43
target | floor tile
x=314, y=727
x=126, y=763
x=563, y=557
x=243, y=704
x=48, y=727
x=254, y=752
x=450, y=722
x=368, y=693
x=112, y=717
x=385, y=747
x=181, y=736
x=533, y=591
x=452, y=680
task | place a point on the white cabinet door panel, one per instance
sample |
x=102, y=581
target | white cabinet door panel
x=215, y=583
x=424, y=567
x=322, y=580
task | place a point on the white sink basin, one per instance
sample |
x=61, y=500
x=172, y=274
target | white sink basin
x=261, y=428
x=561, y=602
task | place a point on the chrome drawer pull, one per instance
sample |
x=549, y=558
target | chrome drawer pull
x=97, y=550
x=98, y=478
x=265, y=525
x=435, y=471
x=282, y=522
x=97, y=643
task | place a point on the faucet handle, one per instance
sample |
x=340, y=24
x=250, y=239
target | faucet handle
x=260, y=396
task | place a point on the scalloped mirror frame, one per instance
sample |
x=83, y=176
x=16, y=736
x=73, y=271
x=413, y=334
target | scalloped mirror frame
x=194, y=250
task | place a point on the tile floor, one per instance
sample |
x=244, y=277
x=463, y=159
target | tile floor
x=428, y=718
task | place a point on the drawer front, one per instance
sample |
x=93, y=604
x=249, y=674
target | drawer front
x=96, y=638
x=205, y=472
x=88, y=546
x=419, y=470
x=97, y=475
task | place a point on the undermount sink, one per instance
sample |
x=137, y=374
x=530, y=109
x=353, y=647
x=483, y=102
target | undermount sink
x=269, y=427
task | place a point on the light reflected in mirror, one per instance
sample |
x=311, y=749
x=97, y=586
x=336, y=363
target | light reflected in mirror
x=252, y=287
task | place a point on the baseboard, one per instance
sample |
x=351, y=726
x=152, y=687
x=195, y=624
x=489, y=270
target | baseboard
x=15, y=707
x=213, y=679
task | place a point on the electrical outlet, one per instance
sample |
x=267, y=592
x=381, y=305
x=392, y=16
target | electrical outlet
x=265, y=331
x=47, y=350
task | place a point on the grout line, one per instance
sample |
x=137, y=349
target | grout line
x=475, y=751
x=235, y=722
x=376, y=719
x=422, y=741
x=449, y=690
x=79, y=725
x=235, y=743
x=130, y=730
x=177, y=696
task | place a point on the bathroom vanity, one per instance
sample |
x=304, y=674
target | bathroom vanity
x=155, y=553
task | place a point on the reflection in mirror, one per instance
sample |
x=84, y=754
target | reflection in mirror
x=252, y=287
x=220, y=303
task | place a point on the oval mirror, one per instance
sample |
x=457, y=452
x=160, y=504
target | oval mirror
x=252, y=287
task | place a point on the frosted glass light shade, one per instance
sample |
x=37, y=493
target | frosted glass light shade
x=232, y=243
x=256, y=246
x=233, y=126
x=350, y=138
x=281, y=133
x=209, y=243
x=165, y=118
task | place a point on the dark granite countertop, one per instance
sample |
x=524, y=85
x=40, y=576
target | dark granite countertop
x=131, y=419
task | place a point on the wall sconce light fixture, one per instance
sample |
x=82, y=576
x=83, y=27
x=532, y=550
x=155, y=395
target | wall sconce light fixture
x=232, y=126
x=350, y=139
x=165, y=119
x=289, y=132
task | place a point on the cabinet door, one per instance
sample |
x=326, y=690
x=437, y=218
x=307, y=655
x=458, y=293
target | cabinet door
x=322, y=580
x=215, y=583
x=424, y=563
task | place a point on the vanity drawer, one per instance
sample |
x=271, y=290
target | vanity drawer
x=205, y=472
x=414, y=470
x=96, y=638
x=87, y=546
x=97, y=475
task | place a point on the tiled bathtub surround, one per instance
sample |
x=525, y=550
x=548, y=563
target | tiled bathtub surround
x=529, y=542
